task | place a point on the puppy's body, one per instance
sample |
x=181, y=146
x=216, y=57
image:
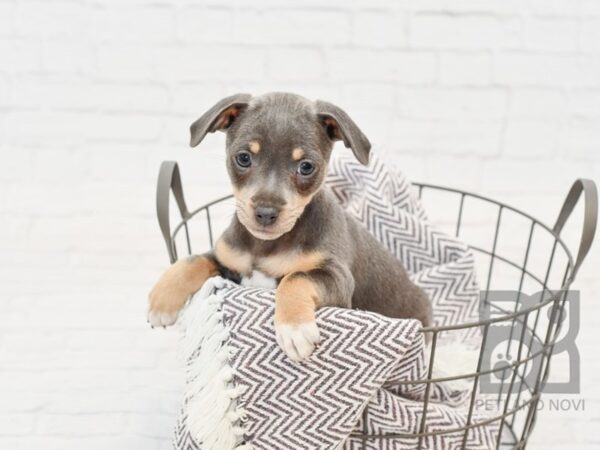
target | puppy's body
x=323, y=234
x=289, y=226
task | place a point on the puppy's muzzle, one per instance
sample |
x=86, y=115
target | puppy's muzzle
x=266, y=215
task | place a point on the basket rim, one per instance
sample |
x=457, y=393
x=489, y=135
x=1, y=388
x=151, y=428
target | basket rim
x=467, y=325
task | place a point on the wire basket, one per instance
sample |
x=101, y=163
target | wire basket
x=530, y=266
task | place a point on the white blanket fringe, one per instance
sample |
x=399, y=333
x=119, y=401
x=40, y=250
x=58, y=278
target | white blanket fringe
x=213, y=415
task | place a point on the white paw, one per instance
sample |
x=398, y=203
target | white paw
x=297, y=341
x=161, y=318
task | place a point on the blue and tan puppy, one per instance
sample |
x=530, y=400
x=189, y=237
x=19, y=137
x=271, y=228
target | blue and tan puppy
x=288, y=226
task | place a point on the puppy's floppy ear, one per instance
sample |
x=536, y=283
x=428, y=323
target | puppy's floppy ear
x=219, y=117
x=339, y=126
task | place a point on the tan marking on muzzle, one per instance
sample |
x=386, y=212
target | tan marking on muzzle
x=281, y=264
x=254, y=147
x=288, y=215
x=296, y=299
x=297, y=154
x=236, y=260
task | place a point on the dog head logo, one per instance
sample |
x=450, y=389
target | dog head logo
x=278, y=148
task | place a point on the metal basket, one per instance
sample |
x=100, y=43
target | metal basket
x=522, y=380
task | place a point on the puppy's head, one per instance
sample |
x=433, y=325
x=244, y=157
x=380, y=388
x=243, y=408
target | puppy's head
x=278, y=147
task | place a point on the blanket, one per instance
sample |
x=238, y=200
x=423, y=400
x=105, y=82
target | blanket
x=243, y=392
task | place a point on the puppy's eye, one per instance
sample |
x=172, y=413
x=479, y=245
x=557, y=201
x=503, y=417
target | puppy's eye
x=305, y=168
x=243, y=159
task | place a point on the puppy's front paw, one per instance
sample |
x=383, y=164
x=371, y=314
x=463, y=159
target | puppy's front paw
x=298, y=341
x=164, y=305
x=174, y=287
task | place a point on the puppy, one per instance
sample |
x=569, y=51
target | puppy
x=288, y=226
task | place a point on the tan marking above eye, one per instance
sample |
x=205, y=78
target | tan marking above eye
x=296, y=300
x=234, y=259
x=254, y=147
x=281, y=264
x=297, y=154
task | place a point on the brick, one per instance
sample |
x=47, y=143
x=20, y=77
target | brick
x=66, y=56
x=19, y=160
x=378, y=131
x=285, y=26
x=60, y=166
x=381, y=29
x=201, y=24
x=16, y=424
x=18, y=55
x=80, y=425
x=588, y=73
x=213, y=63
x=412, y=166
x=490, y=7
x=33, y=199
x=584, y=103
x=86, y=95
x=590, y=35
x=581, y=139
x=5, y=91
x=463, y=32
x=295, y=64
x=551, y=34
x=368, y=94
x=465, y=69
x=51, y=129
x=554, y=7
x=30, y=92
x=510, y=176
x=444, y=169
x=537, y=103
x=18, y=404
x=308, y=4
x=589, y=8
x=400, y=66
x=152, y=24
x=117, y=162
x=523, y=69
x=130, y=97
x=57, y=20
x=123, y=127
x=531, y=139
x=152, y=425
x=6, y=18
x=125, y=61
x=435, y=103
x=74, y=443
x=448, y=136
x=145, y=402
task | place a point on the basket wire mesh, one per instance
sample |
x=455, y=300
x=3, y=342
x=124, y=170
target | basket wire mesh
x=519, y=390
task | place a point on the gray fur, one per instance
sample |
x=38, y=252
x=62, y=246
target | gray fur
x=347, y=130
x=359, y=272
x=206, y=123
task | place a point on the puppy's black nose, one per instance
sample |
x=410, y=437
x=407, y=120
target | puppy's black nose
x=266, y=215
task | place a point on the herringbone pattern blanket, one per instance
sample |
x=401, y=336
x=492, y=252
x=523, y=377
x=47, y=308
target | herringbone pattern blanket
x=244, y=392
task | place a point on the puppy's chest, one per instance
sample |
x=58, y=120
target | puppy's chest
x=265, y=270
x=259, y=279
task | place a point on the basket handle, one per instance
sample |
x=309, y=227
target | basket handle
x=169, y=180
x=590, y=217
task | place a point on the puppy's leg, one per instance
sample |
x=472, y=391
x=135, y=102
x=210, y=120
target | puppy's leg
x=298, y=296
x=175, y=286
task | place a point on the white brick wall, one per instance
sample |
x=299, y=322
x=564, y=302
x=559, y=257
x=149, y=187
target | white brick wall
x=500, y=97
